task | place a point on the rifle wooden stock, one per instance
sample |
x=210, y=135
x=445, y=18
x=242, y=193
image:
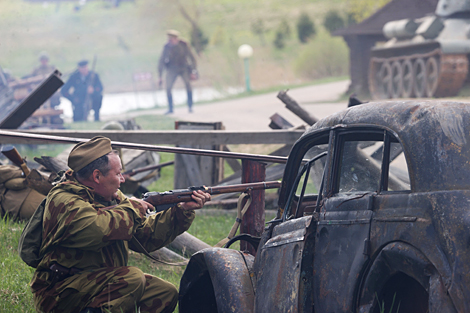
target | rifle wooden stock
x=147, y=168
x=163, y=200
x=14, y=156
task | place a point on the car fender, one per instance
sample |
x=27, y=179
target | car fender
x=217, y=280
x=401, y=257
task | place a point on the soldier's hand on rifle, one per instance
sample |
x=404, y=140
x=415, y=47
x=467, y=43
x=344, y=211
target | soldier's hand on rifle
x=200, y=197
x=145, y=205
x=90, y=89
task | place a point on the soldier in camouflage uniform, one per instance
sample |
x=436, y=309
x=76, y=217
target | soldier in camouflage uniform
x=89, y=226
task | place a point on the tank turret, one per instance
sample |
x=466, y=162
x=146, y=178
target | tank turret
x=424, y=57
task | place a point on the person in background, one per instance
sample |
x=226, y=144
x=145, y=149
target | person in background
x=44, y=69
x=84, y=90
x=178, y=60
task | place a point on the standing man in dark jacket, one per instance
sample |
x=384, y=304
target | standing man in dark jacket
x=178, y=60
x=86, y=94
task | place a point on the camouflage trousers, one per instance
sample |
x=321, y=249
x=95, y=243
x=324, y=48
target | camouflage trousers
x=117, y=289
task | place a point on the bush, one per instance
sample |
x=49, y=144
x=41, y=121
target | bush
x=325, y=56
x=279, y=40
x=282, y=33
x=258, y=28
x=198, y=40
x=284, y=28
x=333, y=21
x=305, y=28
x=218, y=37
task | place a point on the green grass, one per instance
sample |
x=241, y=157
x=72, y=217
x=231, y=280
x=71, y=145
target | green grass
x=15, y=275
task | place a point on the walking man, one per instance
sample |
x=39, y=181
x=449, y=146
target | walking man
x=84, y=90
x=178, y=60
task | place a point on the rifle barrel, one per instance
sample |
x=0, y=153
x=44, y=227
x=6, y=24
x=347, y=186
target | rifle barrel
x=184, y=195
x=243, y=187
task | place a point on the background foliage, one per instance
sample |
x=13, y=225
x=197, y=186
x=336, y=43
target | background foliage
x=128, y=39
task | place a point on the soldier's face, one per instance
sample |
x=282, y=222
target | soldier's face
x=173, y=40
x=83, y=70
x=110, y=183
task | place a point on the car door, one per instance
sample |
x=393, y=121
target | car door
x=345, y=213
x=284, y=261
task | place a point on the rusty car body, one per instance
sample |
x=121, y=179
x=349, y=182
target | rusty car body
x=373, y=216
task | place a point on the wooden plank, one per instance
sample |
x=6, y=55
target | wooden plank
x=15, y=114
x=253, y=221
x=193, y=172
x=173, y=137
x=199, y=170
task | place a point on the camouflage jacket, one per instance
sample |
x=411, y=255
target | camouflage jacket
x=81, y=230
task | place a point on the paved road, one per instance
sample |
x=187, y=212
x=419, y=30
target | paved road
x=253, y=113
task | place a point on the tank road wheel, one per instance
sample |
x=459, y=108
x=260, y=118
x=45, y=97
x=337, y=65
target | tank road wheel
x=419, y=69
x=397, y=80
x=408, y=74
x=383, y=81
x=432, y=76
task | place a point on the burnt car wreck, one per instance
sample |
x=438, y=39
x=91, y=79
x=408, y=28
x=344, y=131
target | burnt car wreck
x=373, y=215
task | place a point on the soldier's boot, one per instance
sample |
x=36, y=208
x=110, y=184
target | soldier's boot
x=190, y=101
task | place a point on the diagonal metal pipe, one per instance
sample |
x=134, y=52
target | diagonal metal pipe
x=138, y=146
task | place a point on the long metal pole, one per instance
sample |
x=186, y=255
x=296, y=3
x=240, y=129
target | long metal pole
x=246, y=62
x=137, y=146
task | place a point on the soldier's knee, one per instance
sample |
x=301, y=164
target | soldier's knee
x=136, y=280
x=173, y=292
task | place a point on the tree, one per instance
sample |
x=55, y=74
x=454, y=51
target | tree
x=257, y=28
x=305, y=28
x=284, y=28
x=279, y=40
x=198, y=40
x=362, y=9
x=282, y=33
x=333, y=21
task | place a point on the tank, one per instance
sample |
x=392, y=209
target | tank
x=424, y=57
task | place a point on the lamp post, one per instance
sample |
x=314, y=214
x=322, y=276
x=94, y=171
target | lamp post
x=245, y=52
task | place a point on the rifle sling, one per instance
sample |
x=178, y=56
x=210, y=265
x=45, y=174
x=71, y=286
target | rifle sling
x=140, y=248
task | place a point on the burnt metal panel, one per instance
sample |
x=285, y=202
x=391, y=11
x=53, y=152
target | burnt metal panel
x=340, y=253
x=280, y=262
x=396, y=259
x=14, y=114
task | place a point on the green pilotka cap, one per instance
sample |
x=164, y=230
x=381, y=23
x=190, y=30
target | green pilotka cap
x=86, y=152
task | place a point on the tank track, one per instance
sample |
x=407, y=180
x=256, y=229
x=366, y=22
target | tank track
x=431, y=74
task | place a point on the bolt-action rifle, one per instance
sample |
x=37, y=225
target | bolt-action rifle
x=164, y=200
x=14, y=156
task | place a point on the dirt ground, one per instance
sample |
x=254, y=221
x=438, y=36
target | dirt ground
x=253, y=113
